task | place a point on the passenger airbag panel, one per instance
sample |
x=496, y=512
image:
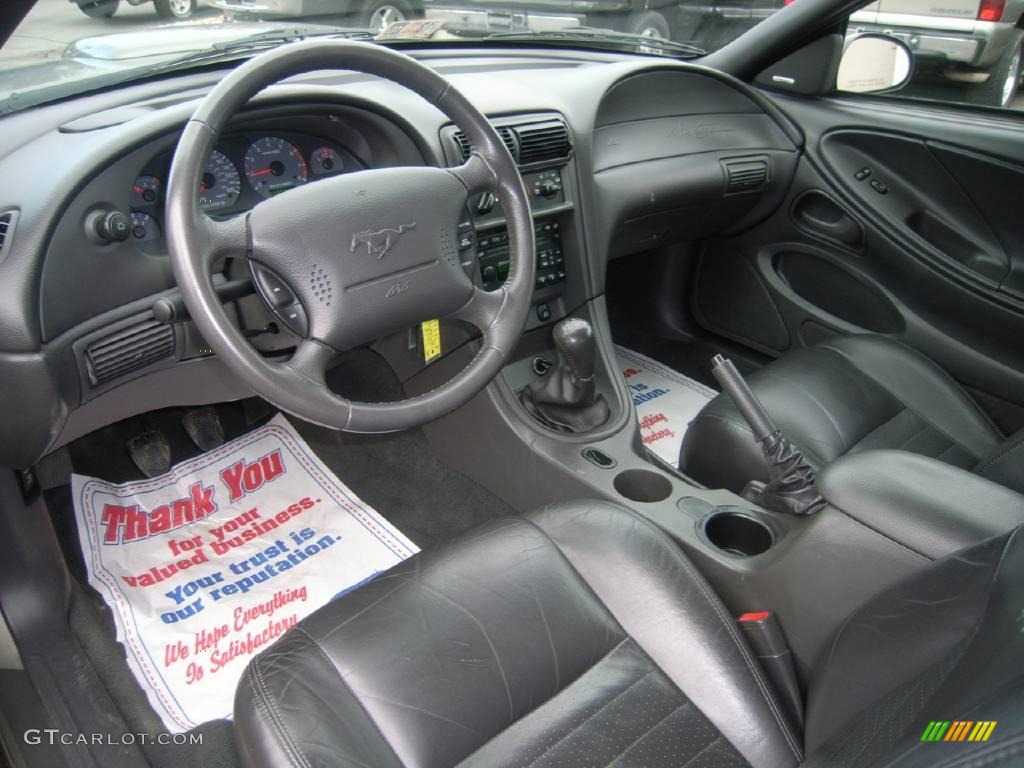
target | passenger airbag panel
x=636, y=142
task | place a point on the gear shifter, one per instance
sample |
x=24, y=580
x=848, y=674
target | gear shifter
x=567, y=398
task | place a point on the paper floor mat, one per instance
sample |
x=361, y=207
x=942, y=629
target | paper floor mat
x=210, y=563
x=666, y=401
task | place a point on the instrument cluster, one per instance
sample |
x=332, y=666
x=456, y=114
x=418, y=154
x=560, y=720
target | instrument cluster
x=242, y=170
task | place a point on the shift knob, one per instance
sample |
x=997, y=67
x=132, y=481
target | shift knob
x=574, y=340
x=566, y=398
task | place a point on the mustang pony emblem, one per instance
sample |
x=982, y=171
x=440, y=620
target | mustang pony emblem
x=379, y=241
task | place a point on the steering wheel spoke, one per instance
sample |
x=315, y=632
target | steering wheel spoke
x=482, y=309
x=476, y=175
x=223, y=237
x=310, y=360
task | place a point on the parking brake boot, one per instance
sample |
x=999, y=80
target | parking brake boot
x=790, y=488
x=567, y=399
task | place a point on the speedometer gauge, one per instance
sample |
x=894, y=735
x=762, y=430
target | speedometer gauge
x=220, y=184
x=273, y=165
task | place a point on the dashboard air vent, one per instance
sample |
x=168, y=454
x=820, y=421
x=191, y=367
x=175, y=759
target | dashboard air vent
x=545, y=140
x=7, y=222
x=747, y=174
x=128, y=350
x=504, y=133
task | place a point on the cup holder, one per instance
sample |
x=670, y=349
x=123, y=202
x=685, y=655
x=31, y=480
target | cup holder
x=643, y=485
x=737, y=532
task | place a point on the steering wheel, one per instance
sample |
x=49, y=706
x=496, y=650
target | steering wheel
x=351, y=258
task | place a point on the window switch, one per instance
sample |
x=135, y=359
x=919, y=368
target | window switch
x=879, y=187
x=862, y=174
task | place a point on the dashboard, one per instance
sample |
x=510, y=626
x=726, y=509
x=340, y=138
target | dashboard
x=619, y=155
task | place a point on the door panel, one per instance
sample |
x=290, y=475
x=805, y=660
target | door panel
x=932, y=253
x=903, y=180
x=997, y=189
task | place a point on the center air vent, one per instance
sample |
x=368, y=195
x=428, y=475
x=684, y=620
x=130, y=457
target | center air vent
x=546, y=140
x=747, y=174
x=504, y=133
x=538, y=141
x=128, y=350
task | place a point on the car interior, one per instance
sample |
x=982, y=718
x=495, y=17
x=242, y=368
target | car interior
x=833, y=563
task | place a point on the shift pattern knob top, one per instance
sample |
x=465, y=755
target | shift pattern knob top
x=574, y=339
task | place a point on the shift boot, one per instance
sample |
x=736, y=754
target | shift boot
x=567, y=398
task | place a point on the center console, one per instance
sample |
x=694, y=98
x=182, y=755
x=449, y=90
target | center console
x=542, y=146
x=492, y=255
x=560, y=380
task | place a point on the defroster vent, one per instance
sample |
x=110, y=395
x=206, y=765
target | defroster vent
x=128, y=350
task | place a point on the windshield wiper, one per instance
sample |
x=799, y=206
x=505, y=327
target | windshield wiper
x=602, y=36
x=246, y=46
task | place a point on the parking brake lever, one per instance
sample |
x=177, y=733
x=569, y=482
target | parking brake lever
x=790, y=488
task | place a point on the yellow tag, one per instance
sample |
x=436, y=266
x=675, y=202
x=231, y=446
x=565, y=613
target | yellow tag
x=431, y=340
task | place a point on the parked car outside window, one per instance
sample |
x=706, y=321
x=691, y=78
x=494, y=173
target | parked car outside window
x=168, y=9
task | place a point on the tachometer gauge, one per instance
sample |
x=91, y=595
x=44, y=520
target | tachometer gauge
x=144, y=227
x=326, y=160
x=220, y=185
x=145, y=191
x=272, y=166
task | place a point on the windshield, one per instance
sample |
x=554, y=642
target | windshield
x=65, y=47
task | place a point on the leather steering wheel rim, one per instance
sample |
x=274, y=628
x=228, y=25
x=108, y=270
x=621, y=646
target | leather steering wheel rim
x=342, y=290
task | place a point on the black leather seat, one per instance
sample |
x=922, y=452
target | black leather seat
x=846, y=395
x=581, y=636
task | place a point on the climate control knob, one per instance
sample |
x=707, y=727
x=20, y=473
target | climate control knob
x=549, y=188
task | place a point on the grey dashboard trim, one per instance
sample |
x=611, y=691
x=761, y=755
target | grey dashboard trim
x=200, y=381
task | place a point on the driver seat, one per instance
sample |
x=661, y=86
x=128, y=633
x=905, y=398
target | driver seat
x=580, y=635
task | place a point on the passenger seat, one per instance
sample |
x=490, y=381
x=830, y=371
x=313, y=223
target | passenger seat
x=850, y=394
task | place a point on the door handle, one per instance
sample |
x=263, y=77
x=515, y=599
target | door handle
x=819, y=214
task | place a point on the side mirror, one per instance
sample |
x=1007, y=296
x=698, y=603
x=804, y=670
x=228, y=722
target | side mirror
x=874, y=63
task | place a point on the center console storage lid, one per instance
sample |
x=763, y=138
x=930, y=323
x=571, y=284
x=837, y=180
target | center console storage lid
x=928, y=506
